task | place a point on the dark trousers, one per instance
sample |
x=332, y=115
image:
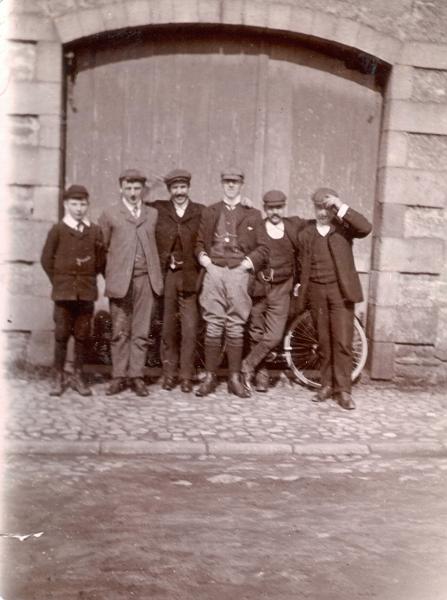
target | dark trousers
x=267, y=321
x=71, y=317
x=176, y=302
x=131, y=320
x=334, y=321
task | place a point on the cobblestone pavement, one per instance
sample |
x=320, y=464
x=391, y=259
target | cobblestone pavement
x=284, y=420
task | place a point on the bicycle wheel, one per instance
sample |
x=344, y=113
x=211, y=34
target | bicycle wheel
x=301, y=350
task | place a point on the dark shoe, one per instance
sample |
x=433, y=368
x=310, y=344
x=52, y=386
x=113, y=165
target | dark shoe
x=262, y=381
x=186, y=386
x=116, y=386
x=168, y=383
x=236, y=387
x=345, y=401
x=79, y=385
x=57, y=384
x=246, y=376
x=139, y=387
x=208, y=385
x=323, y=394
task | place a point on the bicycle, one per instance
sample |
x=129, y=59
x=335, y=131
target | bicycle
x=300, y=350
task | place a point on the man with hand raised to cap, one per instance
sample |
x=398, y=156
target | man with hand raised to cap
x=72, y=257
x=230, y=247
x=133, y=276
x=330, y=286
x=273, y=288
x=176, y=234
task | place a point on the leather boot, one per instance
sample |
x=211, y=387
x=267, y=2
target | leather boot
x=115, y=386
x=246, y=375
x=139, y=387
x=236, y=387
x=169, y=382
x=208, y=385
x=345, y=401
x=79, y=385
x=186, y=386
x=262, y=380
x=57, y=383
x=324, y=393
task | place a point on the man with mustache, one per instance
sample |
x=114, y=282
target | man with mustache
x=273, y=288
x=330, y=285
x=176, y=234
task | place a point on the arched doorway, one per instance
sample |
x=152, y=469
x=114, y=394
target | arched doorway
x=291, y=116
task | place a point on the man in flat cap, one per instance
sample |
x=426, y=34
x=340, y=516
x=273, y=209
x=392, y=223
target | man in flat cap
x=273, y=288
x=330, y=285
x=72, y=257
x=230, y=247
x=133, y=276
x=176, y=234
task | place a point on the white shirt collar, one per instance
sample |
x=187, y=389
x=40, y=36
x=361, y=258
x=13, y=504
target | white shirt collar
x=276, y=232
x=233, y=204
x=131, y=207
x=72, y=223
x=180, y=210
x=323, y=229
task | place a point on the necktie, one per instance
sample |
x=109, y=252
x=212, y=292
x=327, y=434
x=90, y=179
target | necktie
x=80, y=226
x=135, y=212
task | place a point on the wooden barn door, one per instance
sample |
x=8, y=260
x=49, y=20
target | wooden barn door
x=291, y=117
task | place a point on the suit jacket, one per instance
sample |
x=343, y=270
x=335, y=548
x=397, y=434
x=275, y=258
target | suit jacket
x=340, y=239
x=168, y=227
x=252, y=238
x=72, y=260
x=120, y=239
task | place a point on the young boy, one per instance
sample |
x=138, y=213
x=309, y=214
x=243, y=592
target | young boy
x=72, y=257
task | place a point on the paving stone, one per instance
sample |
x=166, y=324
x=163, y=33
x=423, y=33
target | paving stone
x=386, y=415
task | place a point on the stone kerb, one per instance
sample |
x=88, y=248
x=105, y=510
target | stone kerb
x=77, y=24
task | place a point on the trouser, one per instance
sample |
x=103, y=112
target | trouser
x=268, y=320
x=176, y=302
x=131, y=320
x=225, y=302
x=71, y=317
x=334, y=321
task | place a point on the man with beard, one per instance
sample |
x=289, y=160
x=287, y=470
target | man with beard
x=330, y=286
x=273, y=289
x=176, y=234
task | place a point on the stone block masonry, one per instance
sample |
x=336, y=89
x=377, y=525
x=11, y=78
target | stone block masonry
x=413, y=180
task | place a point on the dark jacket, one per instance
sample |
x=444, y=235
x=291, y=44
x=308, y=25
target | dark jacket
x=292, y=227
x=72, y=260
x=169, y=227
x=252, y=239
x=341, y=236
x=120, y=234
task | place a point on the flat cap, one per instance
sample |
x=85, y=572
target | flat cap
x=79, y=192
x=274, y=198
x=321, y=194
x=177, y=175
x=232, y=174
x=132, y=175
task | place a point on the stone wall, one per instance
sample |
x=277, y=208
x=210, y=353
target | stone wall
x=409, y=294
x=407, y=323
